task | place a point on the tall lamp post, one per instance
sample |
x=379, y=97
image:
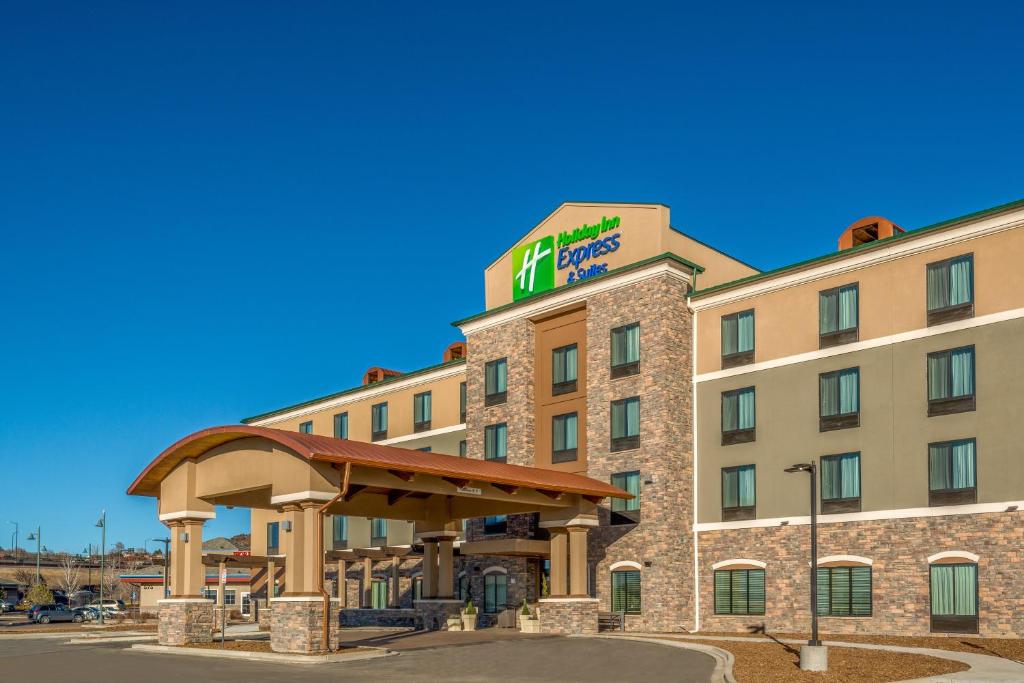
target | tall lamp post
x=167, y=546
x=814, y=655
x=102, y=524
x=14, y=539
x=37, y=536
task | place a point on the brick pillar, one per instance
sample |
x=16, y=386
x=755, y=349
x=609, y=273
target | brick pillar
x=559, y=562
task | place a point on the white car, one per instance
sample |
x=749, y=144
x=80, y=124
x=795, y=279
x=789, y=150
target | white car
x=109, y=606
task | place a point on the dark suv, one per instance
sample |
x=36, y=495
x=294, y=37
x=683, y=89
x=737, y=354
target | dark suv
x=48, y=613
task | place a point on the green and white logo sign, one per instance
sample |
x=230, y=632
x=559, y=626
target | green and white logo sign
x=533, y=268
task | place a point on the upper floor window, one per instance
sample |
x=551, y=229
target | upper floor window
x=563, y=370
x=306, y=427
x=496, y=524
x=738, y=416
x=340, y=532
x=837, y=316
x=625, y=432
x=739, y=591
x=273, y=538
x=839, y=398
x=496, y=442
x=737, y=339
x=626, y=350
x=379, y=421
x=463, y=449
x=738, y=493
x=951, y=289
x=462, y=402
x=952, y=472
x=626, y=511
x=844, y=591
x=951, y=381
x=954, y=597
x=626, y=591
x=563, y=437
x=496, y=382
x=341, y=426
x=421, y=412
x=378, y=530
x=840, y=483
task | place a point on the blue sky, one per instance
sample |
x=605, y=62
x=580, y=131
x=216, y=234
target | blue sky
x=201, y=202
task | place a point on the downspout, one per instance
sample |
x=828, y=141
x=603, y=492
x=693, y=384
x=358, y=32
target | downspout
x=321, y=511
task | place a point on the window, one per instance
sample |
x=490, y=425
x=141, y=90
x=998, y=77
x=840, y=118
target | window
x=229, y=597
x=209, y=593
x=737, y=339
x=563, y=370
x=738, y=418
x=952, y=472
x=273, y=538
x=464, y=588
x=425, y=449
x=379, y=594
x=421, y=412
x=954, y=597
x=626, y=591
x=463, y=449
x=951, y=289
x=340, y=532
x=495, y=592
x=839, y=399
x=341, y=426
x=738, y=493
x=496, y=442
x=837, y=316
x=840, y=483
x=563, y=437
x=626, y=511
x=306, y=427
x=378, y=531
x=625, y=424
x=844, y=591
x=379, y=422
x=739, y=591
x=417, y=588
x=626, y=351
x=496, y=524
x=496, y=382
x=462, y=402
x=951, y=381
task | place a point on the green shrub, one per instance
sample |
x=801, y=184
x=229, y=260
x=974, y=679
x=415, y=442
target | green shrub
x=39, y=594
x=526, y=609
x=469, y=607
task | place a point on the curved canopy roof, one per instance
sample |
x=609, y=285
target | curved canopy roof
x=327, y=449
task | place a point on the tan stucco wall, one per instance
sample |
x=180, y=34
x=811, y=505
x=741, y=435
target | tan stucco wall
x=551, y=333
x=895, y=430
x=400, y=532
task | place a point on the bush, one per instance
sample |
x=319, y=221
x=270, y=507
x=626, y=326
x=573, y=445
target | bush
x=525, y=611
x=470, y=610
x=39, y=594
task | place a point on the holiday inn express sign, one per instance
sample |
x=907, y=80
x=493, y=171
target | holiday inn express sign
x=534, y=263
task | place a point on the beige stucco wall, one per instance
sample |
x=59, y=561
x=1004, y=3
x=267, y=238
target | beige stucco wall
x=895, y=430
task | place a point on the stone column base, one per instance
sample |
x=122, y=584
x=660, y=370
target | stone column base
x=184, y=621
x=568, y=615
x=297, y=626
x=435, y=613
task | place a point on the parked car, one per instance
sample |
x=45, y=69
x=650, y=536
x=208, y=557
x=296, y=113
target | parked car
x=58, y=613
x=89, y=613
x=6, y=606
x=33, y=611
x=109, y=606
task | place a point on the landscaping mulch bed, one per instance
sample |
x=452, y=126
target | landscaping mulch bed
x=773, y=662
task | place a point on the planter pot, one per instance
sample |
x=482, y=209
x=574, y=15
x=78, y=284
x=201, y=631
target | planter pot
x=454, y=624
x=468, y=622
x=529, y=625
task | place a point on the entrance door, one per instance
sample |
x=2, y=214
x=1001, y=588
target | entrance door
x=246, y=605
x=379, y=598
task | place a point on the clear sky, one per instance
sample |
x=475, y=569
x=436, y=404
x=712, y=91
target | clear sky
x=209, y=210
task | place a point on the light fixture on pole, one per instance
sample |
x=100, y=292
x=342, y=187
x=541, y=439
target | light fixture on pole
x=167, y=552
x=14, y=539
x=37, y=536
x=814, y=655
x=102, y=524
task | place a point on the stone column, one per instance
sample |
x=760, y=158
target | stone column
x=430, y=582
x=578, y=561
x=186, y=617
x=367, y=583
x=445, y=569
x=396, y=593
x=559, y=562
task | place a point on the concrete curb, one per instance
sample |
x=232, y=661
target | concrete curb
x=723, y=658
x=112, y=639
x=264, y=656
x=65, y=635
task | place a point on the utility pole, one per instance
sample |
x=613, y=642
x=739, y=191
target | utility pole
x=38, y=538
x=102, y=524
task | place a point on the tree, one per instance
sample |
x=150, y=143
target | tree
x=70, y=579
x=39, y=595
x=113, y=587
x=25, y=576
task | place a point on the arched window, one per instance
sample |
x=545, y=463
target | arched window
x=739, y=587
x=844, y=586
x=953, y=590
x=626, y=587
x=495, y=589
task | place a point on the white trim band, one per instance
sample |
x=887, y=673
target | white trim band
x=494, y=570
x=624, y=564
x=568, y=600
x=737, y=562
x=440, y=431
x=187, y=514
x=303, y=598
x=845, y=558
x=175, y=601
x=322, y=496
x=575, y=521
x=953, y=555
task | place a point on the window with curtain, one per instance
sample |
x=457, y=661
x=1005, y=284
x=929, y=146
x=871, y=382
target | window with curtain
x=625, y=350
x=626, y=511
x=738, y=493
x=952, y=472
x=625, y=427
x=378, y=528
x=950, y=289
x=379, y=594
x=838, y=315
x=495, y=524
x=421, y=411
x=496, y=382
x=379, y=421
x=951, y=381
x=273, y=538
x=840, y=483
x=626, y=591
x=739, y=591
x=844, y=591
x=839, y=399
x=563, y=437
x=341, y=426
x=462, y=402
x=954, y=598
x=496, y=442
x=737, y=339
x=340, y=531
x=306, y=427
x=563, y=370
x=738, y=416
x=495, y=593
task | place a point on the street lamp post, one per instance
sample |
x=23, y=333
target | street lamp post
x=37, y=536
x=167, y=547
x=813, y=656
x=102, y=524
x=14, y=541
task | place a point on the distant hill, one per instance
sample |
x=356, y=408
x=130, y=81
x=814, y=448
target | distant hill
x=220, y=545
x=242, y=541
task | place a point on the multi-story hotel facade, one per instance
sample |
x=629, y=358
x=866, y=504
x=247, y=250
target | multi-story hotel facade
x=616, y=347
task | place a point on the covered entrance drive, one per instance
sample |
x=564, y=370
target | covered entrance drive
x=306, y=476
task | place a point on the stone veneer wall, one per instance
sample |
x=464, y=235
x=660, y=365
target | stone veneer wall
x=568, y=616
x=185, y=623
x=899, y=549
x=297, y=625
x=391, y=618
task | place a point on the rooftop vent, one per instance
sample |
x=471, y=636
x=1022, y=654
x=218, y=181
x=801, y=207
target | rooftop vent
x=376, y=374
x=455, y=351
x=866, y=230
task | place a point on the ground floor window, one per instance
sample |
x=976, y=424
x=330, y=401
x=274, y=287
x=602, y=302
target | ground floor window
x=844, y=591
x=626, y=591
x=954, y=596
x=495, y=592
x=464, y=588
x=417, y=588
x=739, y=591
x=379, y=594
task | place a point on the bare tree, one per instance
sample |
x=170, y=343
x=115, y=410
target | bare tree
x=116, y=565
x=70, y=579
x=25, y=576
